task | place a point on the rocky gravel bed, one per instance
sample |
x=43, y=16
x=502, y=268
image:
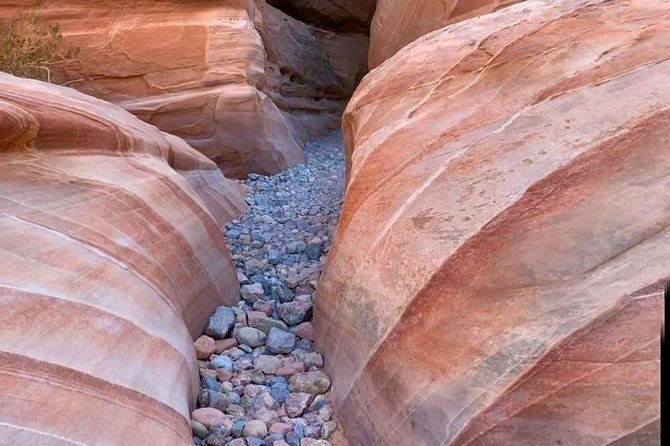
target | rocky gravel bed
x=262, y=382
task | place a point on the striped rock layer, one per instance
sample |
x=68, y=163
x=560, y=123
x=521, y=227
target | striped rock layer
x=399, y=22
x=239, y=80
x=111, y=259
x=497, y=274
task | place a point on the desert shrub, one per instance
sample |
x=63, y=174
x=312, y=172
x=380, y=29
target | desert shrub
x=29, y=47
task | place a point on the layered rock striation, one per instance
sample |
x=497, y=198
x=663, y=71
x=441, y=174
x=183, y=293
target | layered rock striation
x=112, y=259
x=239, y=80
x=498, y=270
x=397, y=22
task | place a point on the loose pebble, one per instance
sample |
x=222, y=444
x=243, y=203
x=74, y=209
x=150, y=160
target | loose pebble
x=262, y=382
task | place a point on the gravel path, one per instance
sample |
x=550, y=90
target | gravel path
x=261, y=380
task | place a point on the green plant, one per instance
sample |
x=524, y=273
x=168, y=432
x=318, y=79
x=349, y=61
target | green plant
x=29, y=47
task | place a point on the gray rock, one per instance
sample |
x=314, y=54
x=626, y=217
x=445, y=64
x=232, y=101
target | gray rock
x=218, y=436
x=327, y=429
x=220, y=323
x=222, y=362
x=199, y=429
x=267, y=364
x=251, y=293
x=209, y=383
x=295, y=312
x=212, y=398
x=255, y=428
x=315, y=383
x=296, y=247
x=238, y=427
x=280, y=341
x=279, y=389
x=313, y=251
x=250, y=336
x=313, y=431
x=253, y=441
x=313, y=359
x=266, y=324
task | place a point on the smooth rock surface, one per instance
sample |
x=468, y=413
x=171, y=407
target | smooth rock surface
x=112, y=259
x=399, y=22
x=498, y=269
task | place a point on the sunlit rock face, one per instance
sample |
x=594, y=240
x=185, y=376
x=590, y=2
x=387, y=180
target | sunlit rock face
x=112, y=259
x=498, y=269
x=239, y=80
x=398, y=22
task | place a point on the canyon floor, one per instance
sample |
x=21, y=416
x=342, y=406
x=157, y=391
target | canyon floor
x=261, y=379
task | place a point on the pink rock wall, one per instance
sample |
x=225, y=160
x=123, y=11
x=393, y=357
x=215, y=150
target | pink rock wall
x=497, y=273
x=112, y=259
x=398, y=22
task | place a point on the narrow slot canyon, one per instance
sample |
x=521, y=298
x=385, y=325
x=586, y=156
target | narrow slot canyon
x=333, y=222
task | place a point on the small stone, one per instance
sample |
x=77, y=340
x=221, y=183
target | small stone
x=222, y=362
x=296, y=247
x=224, y=375
x=251, y=293
x=280, y=341
x=210, y=417
x=253, y=441
x=212, y=398
x=297, y=403
x=209, y=382
x=293, y=438
x=296, y=312
x=265, y=307
x=235, y=410
x=274, y=257
x=204, y=347
x=314, y=383
x=218, y=436
x=305, y=331
x=267, y=324
x=313, y=251
x=199, y=429
x=280, y=443
x=238, y=427
x=279, y=389
x=220, y=323
x=254, y=316
x=255, y=428
x=313, y=431
x=327, y=429
x=250, y=336
x=237, y=442
x=280, y=428
x=267, y=364
x=221, y=345
x=289, y=367
x=319, y=403
x=326, y=413
x=313, y=360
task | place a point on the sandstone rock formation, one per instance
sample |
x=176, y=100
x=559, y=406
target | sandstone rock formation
x=239, y=80
x=497, y=273
x=397, y=22
x=112, y=259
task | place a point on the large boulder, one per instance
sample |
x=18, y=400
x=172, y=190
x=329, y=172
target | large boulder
x=497, y=273
x=398, y=22
x=112, y=259
x=207, y=71
x=340, y=15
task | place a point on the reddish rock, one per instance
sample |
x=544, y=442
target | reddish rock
x=397, y=22
x=221, y=345
x=305, y=331
x=297, y=403
x=265, y=307
x=224, y=375
x=113, y=259
x=289, y=367
x=254, y=316
x=209, y=417
x=497, y=273
x=204, y=347
x=280, y=428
